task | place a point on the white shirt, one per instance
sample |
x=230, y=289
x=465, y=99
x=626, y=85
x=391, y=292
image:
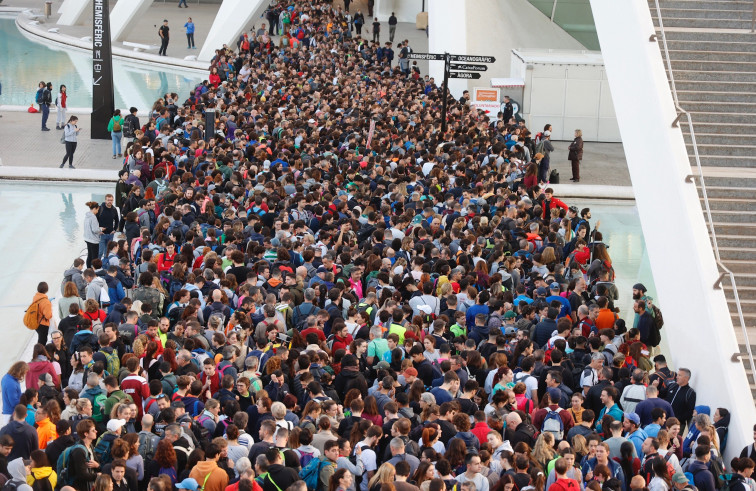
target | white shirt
x=369, y=462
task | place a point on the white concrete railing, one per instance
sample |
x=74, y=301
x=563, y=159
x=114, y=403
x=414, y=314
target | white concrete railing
x=698, y=328
x=710, y=221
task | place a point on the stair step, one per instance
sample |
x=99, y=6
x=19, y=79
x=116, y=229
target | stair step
x=707, y=86
x=725, y=12
x=720, y=152
x=708, y=55
x=723, y=160
x=709, y=45
x=734, y=216
x=715, y=97
x=714, y=35
x=702, y=23
x=731, y=129
x=740, y=266
x=744, y=203
x=738, y=253
x=717, y=117
x=711, y=5
x=742, y=280
x=715, y=65
x=728, y=75
x=720, y=106
x=719, y=139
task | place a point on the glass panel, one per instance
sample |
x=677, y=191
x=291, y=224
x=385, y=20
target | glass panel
x=575, y=17
x=545, y=6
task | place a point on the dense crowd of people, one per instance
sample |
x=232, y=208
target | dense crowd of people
x=322, y=290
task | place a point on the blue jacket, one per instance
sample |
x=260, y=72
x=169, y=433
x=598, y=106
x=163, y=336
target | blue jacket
x=703, y=479
x=11, y=388
x=614, y=467
x=637, y=438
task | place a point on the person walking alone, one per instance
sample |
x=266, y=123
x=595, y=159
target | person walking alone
x=189, y=34
x=164, y=33
x=115, y=127
x=62, y=104
x=575, y=155
x=359, y=21
x=44, y=104
x=44, y=312
x=376, y=30
x=92, y=232
x=183, y=2
x=70, y=135
x=392, y=26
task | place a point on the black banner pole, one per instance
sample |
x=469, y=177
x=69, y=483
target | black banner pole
x=447, y=61
x=103, y=101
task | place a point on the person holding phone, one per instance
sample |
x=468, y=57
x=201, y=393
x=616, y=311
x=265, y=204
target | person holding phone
x=70, y=135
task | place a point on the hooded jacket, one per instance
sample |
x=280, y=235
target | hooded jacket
x=42, y=473
x=95, y=287
x=17, y=472
x=37, y=368
x=350, y=378
x=74, y=274
x=25, y=439
x=11, y=390
x=217, y=480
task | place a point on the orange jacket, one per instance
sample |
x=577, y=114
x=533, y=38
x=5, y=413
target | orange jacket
x=217, y=479
x=46, y=432
x=605, y=319
x=44, y=312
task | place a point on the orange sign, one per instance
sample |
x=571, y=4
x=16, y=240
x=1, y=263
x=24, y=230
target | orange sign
x=491, y=95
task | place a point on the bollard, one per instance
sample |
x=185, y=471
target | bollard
x=48, y=9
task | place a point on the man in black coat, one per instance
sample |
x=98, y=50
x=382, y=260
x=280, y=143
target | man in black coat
x=682, y=397
x=56, y=447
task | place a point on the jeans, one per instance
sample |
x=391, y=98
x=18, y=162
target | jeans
x=116, y=142
x=70, y=149
x=190, y=40
x=392, y=31
x=60, y=119
x=102, y=249
x=184, y=3
x=45, y=114
x=543, y=170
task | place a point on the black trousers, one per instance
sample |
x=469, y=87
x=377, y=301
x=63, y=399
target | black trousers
x=92, y=253
x=575, y=169
x=42, y=332
x=70, y=149
x=190, y=40
x=163, y=46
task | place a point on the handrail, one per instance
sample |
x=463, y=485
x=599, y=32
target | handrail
x=709, y=219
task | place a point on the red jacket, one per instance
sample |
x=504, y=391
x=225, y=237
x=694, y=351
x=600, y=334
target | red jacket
x=481, y=430
x=37, y=368
x=549, y=205
x=139, y=390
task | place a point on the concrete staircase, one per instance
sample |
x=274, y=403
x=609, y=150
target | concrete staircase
x=713, y=61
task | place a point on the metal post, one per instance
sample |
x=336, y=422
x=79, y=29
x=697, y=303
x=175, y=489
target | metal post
x=553, y=10
x=447, y=61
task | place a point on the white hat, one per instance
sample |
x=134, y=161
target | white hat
x=424, y=308
x=114, y=424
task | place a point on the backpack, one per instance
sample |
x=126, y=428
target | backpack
x=552, y=423
x=170, y=472
x=658, y=318
x=554, y=177
x=102, y=450
x=221, y=370
x=116, y=126
x=147, y=447
x=202, y=433
x=62, y=466
x=98, y=407
x=31, y=315
x=38, y=99
x=174, y=315
x=128, y=127
x=311, y=473
x=305, y=458
x=113, y=364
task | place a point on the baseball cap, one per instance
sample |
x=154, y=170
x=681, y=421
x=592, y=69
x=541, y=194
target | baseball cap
x=679, y=477
x=114, y=424
x=541, y=291
x=555, y=286
x=554, y=393
x=47, y=379
x=425, y=308
x=382, y=365
x=178, y=405
x=509, y=315
x=188, y=483
x=633, y=417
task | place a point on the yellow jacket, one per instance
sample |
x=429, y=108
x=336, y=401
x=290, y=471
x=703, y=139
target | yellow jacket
x=42, y=473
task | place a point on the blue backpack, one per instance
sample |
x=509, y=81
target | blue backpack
x=310, y=474
x=552, y=423
x=305, y=458
x=63, y=465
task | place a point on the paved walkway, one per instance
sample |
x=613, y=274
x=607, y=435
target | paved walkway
x=24, y=145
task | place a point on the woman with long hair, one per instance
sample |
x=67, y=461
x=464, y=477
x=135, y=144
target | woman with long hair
x=92, y=231
x=164, y=462
x=70, y=296
x=425, y=472
x=543, y=451
x=455, y=454
x=11, y=389
x=341, y=480
x=70, y=137
x=371, y=411
x=630, y=464
x=386, y=474
x=661, y=480
x=39, y=365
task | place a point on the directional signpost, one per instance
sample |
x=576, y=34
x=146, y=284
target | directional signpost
x=467, y=75
x=463, y=64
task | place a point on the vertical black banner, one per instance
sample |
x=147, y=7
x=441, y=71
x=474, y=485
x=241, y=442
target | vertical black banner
x=103, y=101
